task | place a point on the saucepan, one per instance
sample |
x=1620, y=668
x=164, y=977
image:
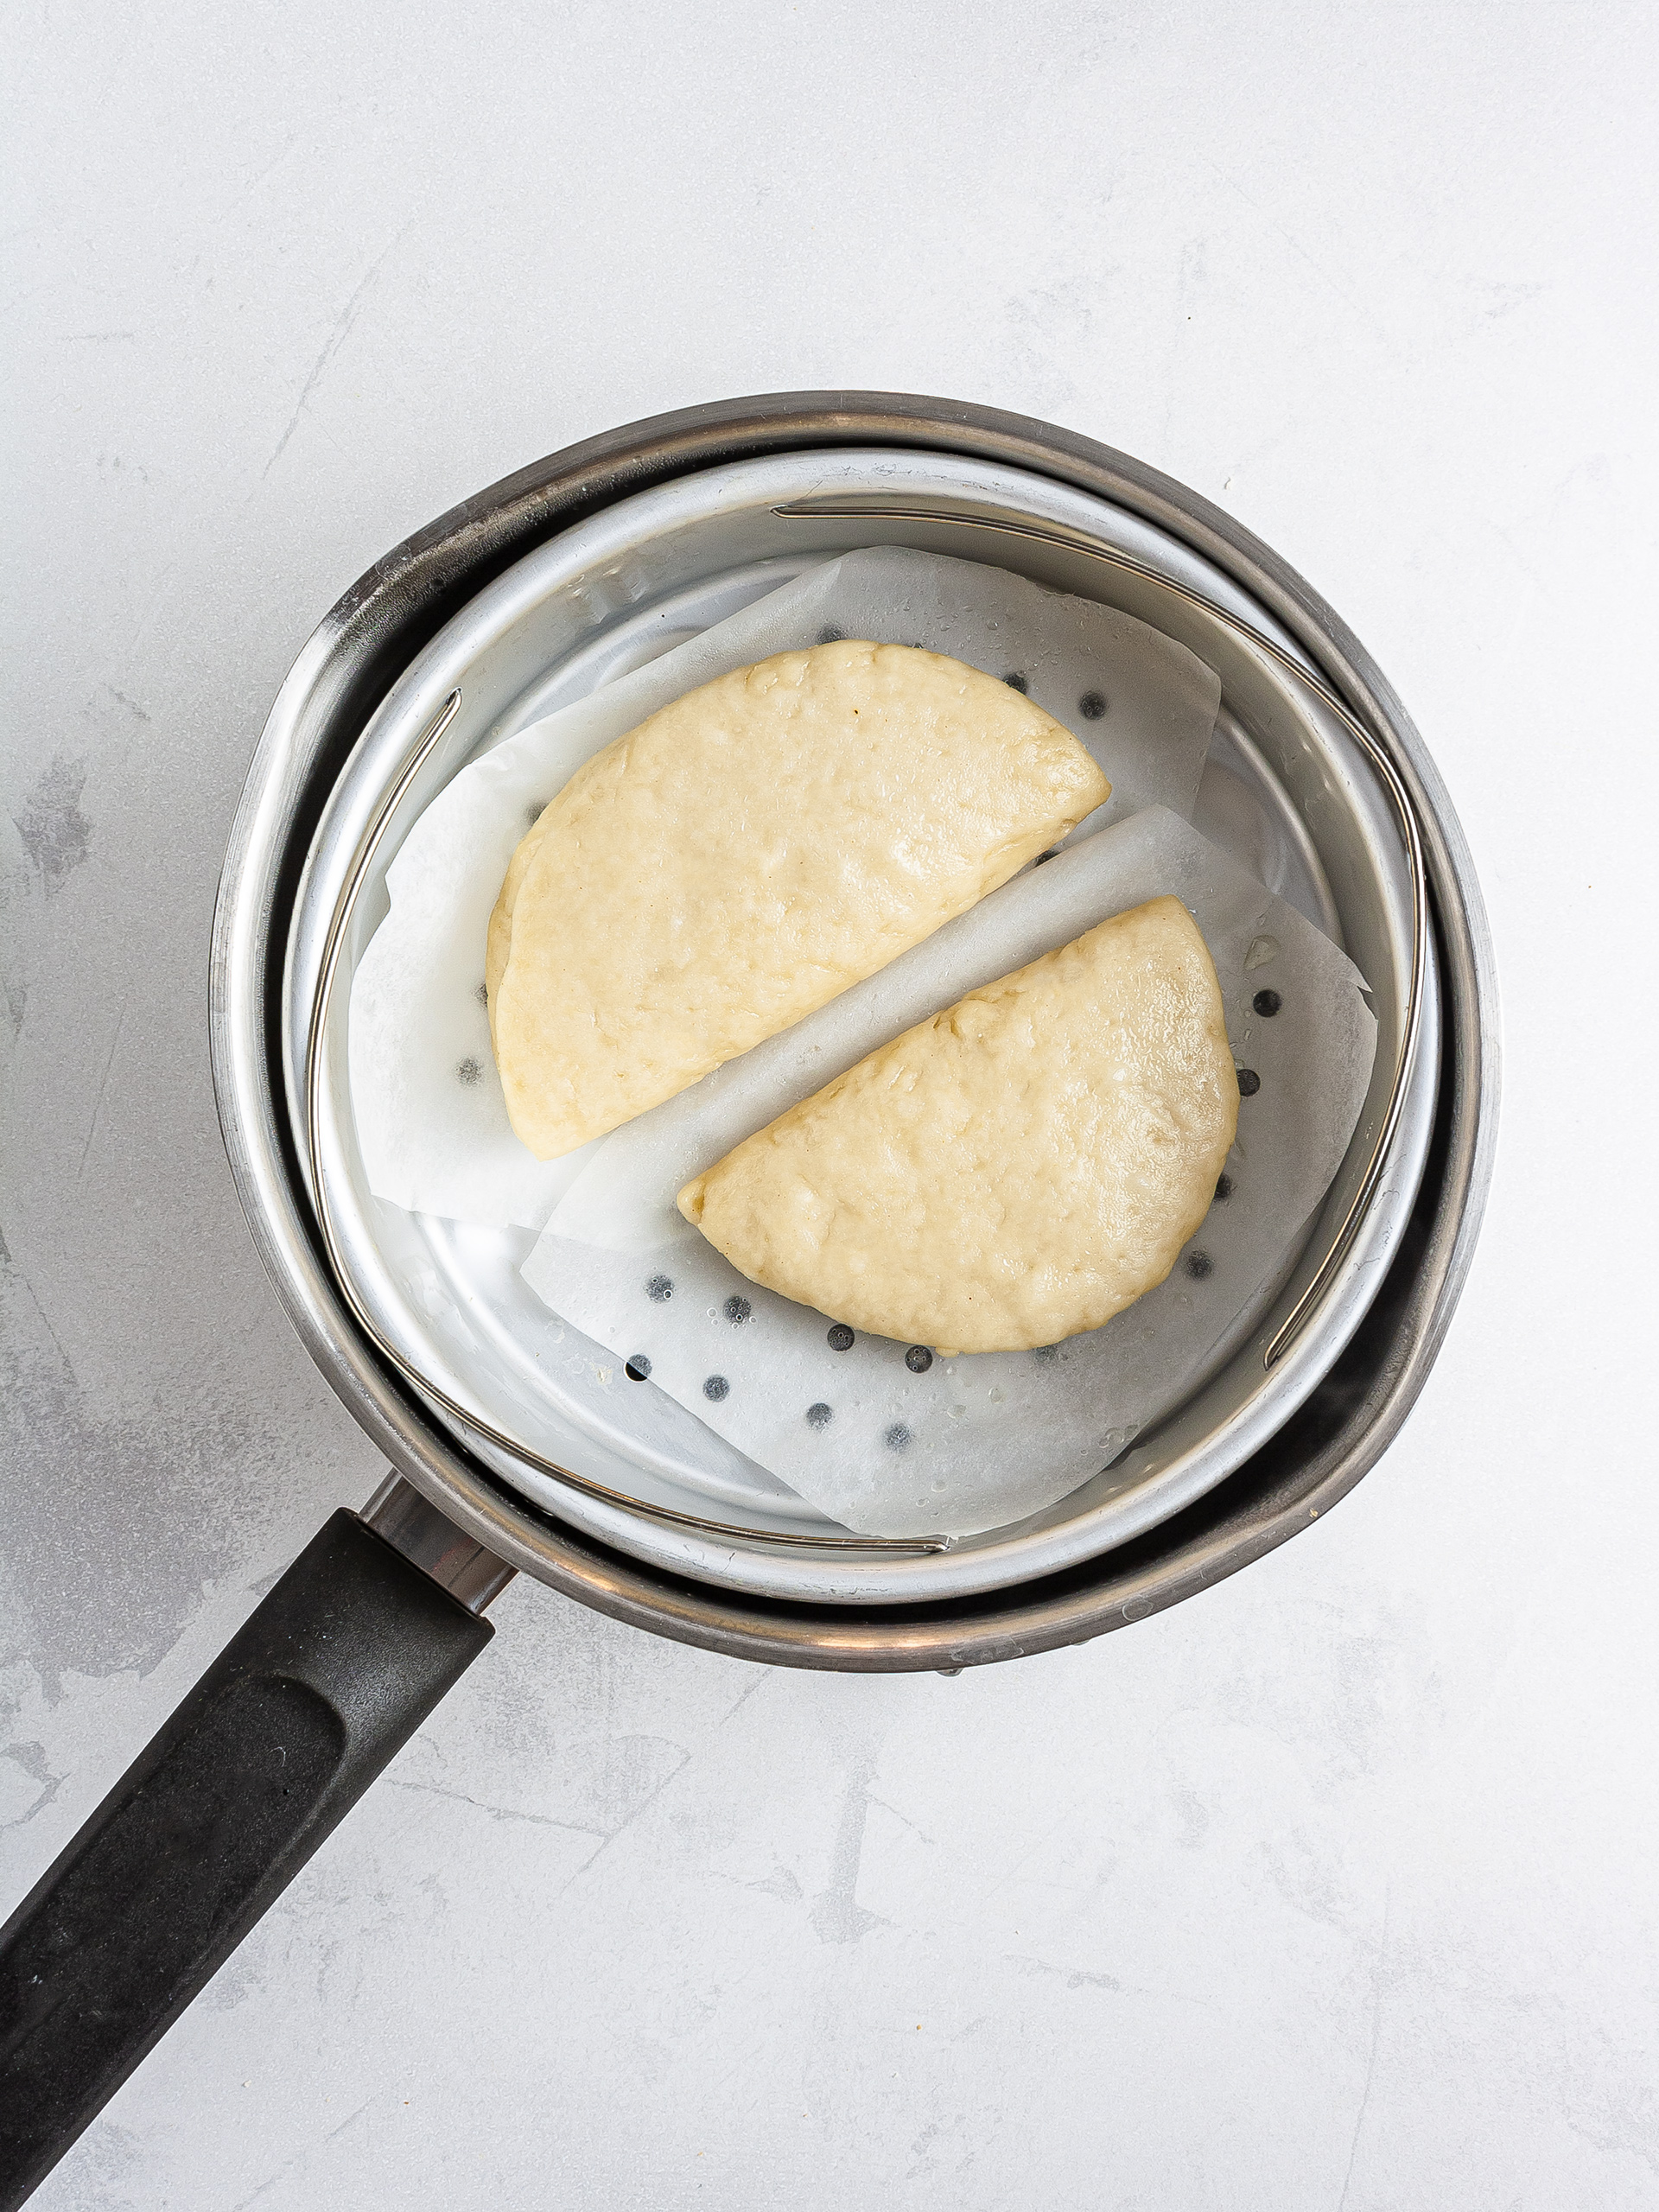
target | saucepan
x=524, y=596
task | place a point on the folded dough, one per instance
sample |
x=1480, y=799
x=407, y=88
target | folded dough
x=1013, y=1171
x=747, y=852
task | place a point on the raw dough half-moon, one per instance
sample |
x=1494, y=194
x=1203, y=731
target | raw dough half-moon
x=747, y=852
x=1013, y=1171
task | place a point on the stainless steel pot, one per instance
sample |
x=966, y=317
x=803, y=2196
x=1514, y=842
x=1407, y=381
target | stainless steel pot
x=345, y=1657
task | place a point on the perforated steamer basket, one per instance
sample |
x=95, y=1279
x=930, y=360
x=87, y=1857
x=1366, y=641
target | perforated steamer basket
x=528, y=595
x=446, y=1304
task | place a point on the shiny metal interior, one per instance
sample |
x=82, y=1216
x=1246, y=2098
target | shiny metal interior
x=610, y=573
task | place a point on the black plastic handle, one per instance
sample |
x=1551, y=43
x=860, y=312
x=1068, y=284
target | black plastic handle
x=335, y=1670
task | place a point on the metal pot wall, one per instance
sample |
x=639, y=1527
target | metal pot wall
x=377, y=629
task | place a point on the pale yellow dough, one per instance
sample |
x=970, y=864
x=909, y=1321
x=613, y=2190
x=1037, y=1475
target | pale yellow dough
x=1018, y=1168
x=747, y=854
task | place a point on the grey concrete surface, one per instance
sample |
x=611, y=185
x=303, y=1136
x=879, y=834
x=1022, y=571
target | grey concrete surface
x=1333, y=1888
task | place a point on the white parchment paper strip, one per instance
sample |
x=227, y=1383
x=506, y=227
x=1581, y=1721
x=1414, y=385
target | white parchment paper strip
x=431, y=1120
x=985, y=1438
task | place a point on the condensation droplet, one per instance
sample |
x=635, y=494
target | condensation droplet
x=1262, y=949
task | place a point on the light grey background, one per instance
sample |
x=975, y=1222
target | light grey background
x=1332, y=1889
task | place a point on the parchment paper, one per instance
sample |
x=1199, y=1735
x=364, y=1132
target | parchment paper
x=431, y=1120
x=985, y=1438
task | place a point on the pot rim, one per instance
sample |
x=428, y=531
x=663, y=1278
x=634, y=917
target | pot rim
x=338, y=680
